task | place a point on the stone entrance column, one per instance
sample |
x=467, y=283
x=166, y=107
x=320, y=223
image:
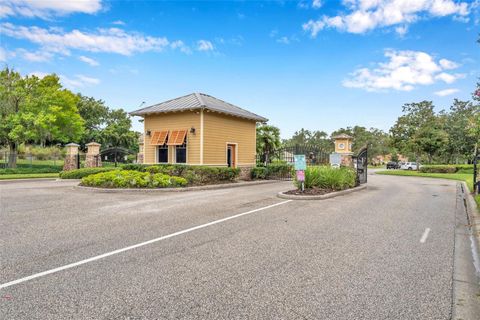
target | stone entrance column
x=92, y=159
x=71, y=158
x=343, y=146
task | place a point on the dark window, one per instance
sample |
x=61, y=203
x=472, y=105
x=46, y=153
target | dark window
x=181, y=153
x=163, y=154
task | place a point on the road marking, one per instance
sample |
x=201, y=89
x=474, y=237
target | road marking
x=111, y=253
x=425, y=235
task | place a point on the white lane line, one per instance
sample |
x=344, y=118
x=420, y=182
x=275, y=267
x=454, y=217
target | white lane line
x=425, y=235
x=111, y=253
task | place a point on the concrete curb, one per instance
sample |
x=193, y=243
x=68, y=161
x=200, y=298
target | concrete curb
x=26, y=180
x=163, y=190
x=321, y=197
x=466, y=264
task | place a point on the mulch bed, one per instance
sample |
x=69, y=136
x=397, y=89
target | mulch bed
x=310, y=192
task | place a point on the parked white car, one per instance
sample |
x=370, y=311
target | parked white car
x=410, y=166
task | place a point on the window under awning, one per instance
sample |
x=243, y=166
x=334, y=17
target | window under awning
x=177, y=137
x=159, y=138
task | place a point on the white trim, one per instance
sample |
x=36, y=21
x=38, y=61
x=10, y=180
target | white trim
x=201, y=136
x=236, y=153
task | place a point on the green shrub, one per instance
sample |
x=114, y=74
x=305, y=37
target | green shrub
x=132, y=179
x=272, y=170
x=438, y=169
x=326, y=177
x=83, y=172
x=448, y=168
x=196, y=174
x=23, y=169
x=135, y=166
x=259, y=173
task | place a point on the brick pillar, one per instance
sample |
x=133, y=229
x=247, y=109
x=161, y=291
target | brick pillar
x=347, y=160
x=71, y=158
x=245, y=173
x=92, y=159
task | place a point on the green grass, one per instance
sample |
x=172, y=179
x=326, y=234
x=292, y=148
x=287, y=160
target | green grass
x=383, y=166
x=468, y=178
x=28, y=176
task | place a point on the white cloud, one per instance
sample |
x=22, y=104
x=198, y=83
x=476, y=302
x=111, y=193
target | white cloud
x=446, y=92
x=401, y=30
x=448, y=77
x=3, y=55
x=366, y=15
x=118, y=23
x=78, y=81
x=89, y=61
x=283, y=40
x=38, y=74
x=179, y=44
x=287, y=40
x=316, y=4
x=447, y=64
x=204, y=45
x=314, y=27
x=48, y=8
x=38, y=56
x=404, y=71
x=88, y=80
x=111, y=40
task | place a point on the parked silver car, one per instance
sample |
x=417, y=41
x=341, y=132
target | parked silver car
x=410, y=166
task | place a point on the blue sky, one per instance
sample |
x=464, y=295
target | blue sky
x=315, y=64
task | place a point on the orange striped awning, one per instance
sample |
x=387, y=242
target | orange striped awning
x=159, y=138
x=177, y=137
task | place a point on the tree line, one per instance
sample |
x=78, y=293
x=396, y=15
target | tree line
x=41, y=111
x=420, y=133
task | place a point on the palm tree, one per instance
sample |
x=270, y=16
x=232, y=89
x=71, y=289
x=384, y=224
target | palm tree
x=268, y=140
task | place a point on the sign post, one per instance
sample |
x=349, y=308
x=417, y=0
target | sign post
x=300, y=167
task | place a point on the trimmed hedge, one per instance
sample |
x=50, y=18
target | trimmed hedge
x=23, y=169
x=83, y=172
x=272, y=170
x=448, y=168
x=197, y=175
x=135, y=166
x=326, y=177
x=132, y=179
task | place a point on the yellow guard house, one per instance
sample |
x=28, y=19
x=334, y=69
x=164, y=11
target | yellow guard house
x=198, y=129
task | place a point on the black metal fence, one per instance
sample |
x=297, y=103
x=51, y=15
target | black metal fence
x=11, y=160
x=117, y=155
x=280, y=162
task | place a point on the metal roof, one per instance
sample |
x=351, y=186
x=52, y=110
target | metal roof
x=198, y=101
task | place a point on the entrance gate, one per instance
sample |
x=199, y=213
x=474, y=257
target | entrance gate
x=360, y=162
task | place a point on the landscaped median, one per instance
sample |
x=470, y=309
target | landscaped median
x=152, y=177
x=323, y=182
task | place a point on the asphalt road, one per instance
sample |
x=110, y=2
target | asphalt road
x=353, y=257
